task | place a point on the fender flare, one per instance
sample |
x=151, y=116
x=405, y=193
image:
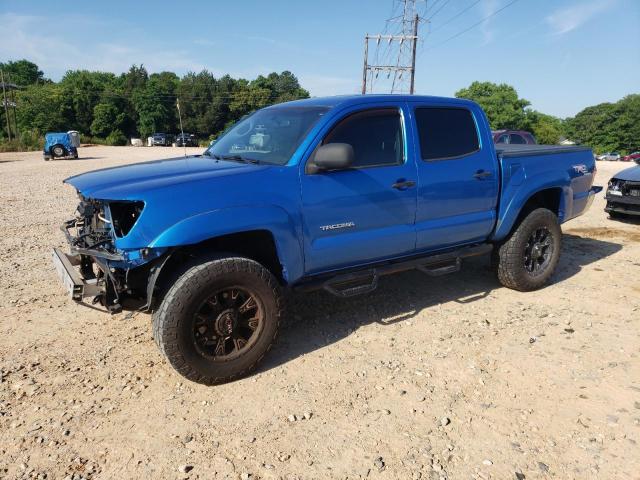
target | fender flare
x=509, y=212
x=216, y=223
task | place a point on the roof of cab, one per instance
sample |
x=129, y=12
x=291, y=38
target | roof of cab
x=349, y=100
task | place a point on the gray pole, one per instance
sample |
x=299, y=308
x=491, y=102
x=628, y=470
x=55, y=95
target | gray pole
x=413, y=52
x=4, y=98
x=13, y=107
x=364, y=68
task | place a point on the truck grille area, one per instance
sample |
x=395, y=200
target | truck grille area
x=91, y=232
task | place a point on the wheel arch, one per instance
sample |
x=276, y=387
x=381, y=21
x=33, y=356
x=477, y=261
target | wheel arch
x=553, y=197
x=258, y=245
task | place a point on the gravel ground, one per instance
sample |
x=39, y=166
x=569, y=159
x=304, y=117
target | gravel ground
x=447, y=378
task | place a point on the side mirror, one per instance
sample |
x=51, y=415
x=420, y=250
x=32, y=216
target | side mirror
x=332, y=156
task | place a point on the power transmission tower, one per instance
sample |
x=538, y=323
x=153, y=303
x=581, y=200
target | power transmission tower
x=404, y=43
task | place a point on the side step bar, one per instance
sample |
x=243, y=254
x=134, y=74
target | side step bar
x=365, y=280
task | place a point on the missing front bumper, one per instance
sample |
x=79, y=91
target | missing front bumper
x=76, y=286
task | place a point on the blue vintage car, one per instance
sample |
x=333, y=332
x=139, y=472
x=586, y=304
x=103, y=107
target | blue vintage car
x=59, y=145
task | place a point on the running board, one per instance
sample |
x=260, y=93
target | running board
x=364, y=280
x=441, y=269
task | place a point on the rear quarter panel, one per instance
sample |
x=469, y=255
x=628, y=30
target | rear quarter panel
x=572, y=172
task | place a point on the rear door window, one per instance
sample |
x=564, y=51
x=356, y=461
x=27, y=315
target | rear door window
x=446, y=133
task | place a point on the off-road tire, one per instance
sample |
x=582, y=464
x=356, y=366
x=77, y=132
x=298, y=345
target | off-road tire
x=511, y=253
x=58, y=151
x=173, y=321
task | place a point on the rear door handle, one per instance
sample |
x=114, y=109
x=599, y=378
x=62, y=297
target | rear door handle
x=403, y=184
x=480, y=174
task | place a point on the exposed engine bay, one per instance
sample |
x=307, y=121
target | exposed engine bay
x=91, y=235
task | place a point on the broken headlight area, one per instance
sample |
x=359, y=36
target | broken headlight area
x=107, y=274
x=91, y=231
x=615, y=187
x=97, y=225
x=124, y=216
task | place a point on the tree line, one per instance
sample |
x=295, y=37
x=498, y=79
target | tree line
x=109, y=108
x=607, y=127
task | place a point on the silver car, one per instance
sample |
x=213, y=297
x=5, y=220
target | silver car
x=611, y=156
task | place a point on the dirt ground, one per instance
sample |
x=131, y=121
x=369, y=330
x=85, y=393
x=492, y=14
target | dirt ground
x=435, y=378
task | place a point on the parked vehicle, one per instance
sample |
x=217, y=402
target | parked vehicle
x=623, y=193
x=513, y=137
x=186, y=140
x=610, y=156
x=163, y=139
x=60, y=145
x=632, y=157
x=323, y=193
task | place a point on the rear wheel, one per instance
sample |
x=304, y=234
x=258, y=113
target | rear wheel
x=527, y=259
x=58, y=151
x=219, y=319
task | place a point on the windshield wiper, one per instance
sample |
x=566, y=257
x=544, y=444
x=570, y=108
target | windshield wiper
x=237, y=158
x=240, y=158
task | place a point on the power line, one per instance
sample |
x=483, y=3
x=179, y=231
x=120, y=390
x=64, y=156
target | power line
x=438, y=10
x=455, y=16
x=403, y=41
x=472, y=26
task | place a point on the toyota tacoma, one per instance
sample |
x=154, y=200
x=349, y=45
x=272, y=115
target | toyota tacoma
x=323, y=193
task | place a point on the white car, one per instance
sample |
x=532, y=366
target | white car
x=611, y=156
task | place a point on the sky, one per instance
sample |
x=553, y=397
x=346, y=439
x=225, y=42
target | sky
x=561, y=55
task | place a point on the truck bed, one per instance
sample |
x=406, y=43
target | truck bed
x=564, y=172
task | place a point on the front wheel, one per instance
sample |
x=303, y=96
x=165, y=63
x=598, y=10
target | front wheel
x=527, y=259
x=219, y=319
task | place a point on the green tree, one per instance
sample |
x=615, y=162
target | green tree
x=23, y=72
x=547, y=129
x=40, y=108
x=156, y=104
x=500, y=102
x=608, y=127
x=82, y=91
x=107, y=118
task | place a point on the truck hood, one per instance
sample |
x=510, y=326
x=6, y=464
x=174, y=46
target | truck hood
x=131, y=182
x=632, y=174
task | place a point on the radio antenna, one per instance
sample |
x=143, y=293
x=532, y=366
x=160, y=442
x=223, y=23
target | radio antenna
x=184, y=141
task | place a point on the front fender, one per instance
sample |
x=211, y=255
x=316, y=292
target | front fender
x=216, y=223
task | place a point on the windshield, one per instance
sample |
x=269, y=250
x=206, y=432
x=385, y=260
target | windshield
x=270, y=135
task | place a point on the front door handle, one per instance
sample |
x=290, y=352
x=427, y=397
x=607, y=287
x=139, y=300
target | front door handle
x=480, y=174
x=403, y=184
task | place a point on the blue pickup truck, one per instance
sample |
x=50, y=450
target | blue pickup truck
x=325, y=193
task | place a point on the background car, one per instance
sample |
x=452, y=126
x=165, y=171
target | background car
x=162, y=139
x=632, y=157
x=513, y=137
x=186, y=140
x=623, y=193
x=610, y=156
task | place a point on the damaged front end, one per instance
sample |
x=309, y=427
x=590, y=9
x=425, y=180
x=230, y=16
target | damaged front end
x=96, y=268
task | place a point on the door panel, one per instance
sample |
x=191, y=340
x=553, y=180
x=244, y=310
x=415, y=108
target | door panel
x=357, y=216
x=457, y=195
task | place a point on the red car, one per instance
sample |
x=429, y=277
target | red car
x=632, y=157
x=518, y=137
